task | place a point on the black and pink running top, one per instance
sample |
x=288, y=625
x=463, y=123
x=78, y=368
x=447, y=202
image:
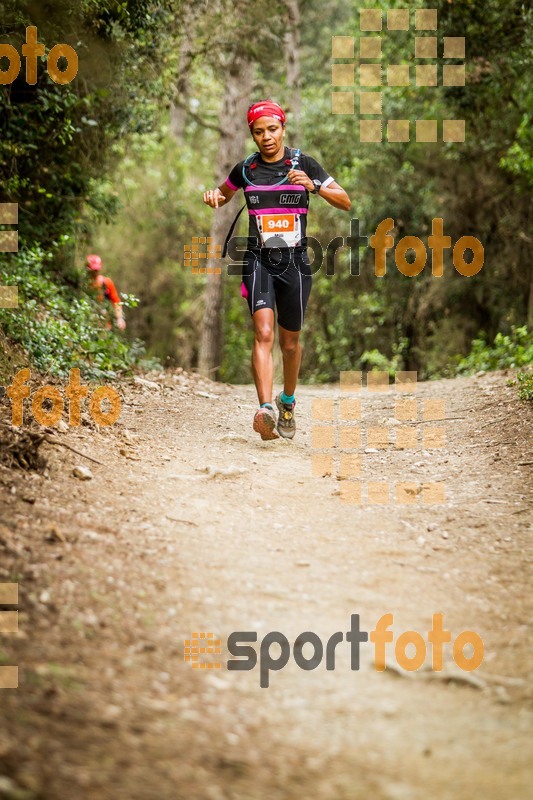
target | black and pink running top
x=276, y=212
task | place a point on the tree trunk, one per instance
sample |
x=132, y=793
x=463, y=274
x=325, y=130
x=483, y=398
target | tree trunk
x=239, y=82
x=530, y=303
x=178, y=106
x=292, y=64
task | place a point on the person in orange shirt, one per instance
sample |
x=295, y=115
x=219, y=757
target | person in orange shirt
x=106, y=290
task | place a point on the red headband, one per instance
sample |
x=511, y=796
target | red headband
x=265, y=108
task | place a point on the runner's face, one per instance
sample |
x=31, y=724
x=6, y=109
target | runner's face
x=268, y=135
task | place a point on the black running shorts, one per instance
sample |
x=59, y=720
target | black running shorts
x=285, y=288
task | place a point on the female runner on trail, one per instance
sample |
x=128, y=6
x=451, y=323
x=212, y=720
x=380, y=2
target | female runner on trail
x=277, y=182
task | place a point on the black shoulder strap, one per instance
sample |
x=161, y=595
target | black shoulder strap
x=293, y=152
x=247, y=163
x=232, y=228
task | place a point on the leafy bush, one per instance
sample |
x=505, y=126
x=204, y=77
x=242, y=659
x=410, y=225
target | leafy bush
x=512, y=350
x=524, y=380
x=61, y=326
x=56, y=144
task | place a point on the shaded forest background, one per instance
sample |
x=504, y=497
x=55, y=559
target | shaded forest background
x=116, y=163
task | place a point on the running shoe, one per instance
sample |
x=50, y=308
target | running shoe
x=265, y=423
x=286, y=423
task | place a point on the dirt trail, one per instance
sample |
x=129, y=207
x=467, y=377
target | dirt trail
x=116, y=572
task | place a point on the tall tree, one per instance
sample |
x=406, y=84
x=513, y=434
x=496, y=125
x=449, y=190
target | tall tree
x=238, y=46
x=231, y=146
x=186, y=54
x=292, y=63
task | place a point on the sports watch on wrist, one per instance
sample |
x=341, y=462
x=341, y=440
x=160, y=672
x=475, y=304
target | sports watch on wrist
x=317, y=184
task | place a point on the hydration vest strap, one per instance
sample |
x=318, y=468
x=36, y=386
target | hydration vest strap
x=294, y=162
x=232, y=228
x=246, y=163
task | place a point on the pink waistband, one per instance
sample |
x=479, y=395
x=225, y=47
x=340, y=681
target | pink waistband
x=284, y=187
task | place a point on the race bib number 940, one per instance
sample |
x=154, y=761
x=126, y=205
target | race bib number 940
x=280, y=226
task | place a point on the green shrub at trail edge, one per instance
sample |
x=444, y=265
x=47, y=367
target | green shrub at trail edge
x=507, y=351
x=61, y=326
x=524, y=381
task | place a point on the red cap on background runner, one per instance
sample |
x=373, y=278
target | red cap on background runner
x=265, y=108
x=94, y=262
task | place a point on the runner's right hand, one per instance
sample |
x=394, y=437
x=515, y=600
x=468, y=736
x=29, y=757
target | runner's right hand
x=214, y=197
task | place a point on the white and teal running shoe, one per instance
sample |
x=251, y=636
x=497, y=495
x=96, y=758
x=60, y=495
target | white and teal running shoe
x=286, y=423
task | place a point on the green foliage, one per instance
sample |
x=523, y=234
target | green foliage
x=77, y=158
x=512, y=350
x=519, y=157
x=144, y=248
x=56, y=144
x=61, y=327
x=56, y=139
x=471, y=186
x=524, y=381
x=238, y=335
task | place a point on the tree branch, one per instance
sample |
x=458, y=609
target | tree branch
x=196, y=117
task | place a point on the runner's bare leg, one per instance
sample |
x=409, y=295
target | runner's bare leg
x=292, y=356
x=262, y=364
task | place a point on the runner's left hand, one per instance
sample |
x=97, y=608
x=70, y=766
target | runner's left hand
x=300, y=177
